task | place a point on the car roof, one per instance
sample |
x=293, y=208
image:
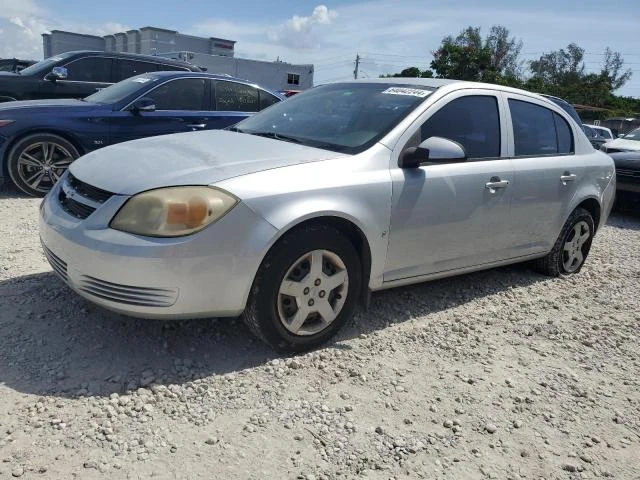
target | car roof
x=132, y=56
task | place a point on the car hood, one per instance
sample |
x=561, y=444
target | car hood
x=31, y=105
x=198, y=158
x=623, y=144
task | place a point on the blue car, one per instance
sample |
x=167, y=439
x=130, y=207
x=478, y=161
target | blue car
x=40, y=138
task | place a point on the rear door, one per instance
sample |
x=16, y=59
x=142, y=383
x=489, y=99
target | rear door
x=182, y=105
x=546, y=171
x=233, y=101
x=451, y=216
x=85, y=76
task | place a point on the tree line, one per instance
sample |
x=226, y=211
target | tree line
x=496, y=59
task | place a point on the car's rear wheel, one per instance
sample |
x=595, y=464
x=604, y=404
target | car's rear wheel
x=571, y=248
x=305, y=289
x=37, y=161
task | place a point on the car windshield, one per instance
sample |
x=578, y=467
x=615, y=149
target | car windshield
x=344, y=117
x=633, y=135
x=589, y=131
x=44, y=66
x=121, y=90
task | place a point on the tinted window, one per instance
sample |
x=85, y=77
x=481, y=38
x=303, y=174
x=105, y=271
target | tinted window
x=90, y=69
x=183, y=94
x=565, y=137
x=130, y=68
x=236, y=97
x=538, y=131
x=266, y=99
x=471, y=121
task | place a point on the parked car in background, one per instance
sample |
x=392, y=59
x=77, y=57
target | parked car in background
x=627, y=174
x=14, y=65
x=594, y=137
x=40, y=138
x=627, y=143
x=604, y=132
x=292, y=216
x=81, y=73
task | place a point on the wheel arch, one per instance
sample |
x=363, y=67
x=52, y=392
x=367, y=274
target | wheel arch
x=594, y=208
x=345, y=226
x=69, y=137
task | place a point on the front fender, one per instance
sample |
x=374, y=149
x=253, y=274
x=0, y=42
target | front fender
x=356, y=189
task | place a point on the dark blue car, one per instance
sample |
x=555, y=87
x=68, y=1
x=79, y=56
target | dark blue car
x=40, y=138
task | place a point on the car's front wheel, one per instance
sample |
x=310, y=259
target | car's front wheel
x=572, y=246
x=37, y=161
x=305, y=289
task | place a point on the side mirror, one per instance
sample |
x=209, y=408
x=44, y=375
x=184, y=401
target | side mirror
x=144, y=104
x=433, y=150
x=58, y=73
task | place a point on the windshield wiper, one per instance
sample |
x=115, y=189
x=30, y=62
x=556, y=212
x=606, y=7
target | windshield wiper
x=234, y=129
x=274, y=135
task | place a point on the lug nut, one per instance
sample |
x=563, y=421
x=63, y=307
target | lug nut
x=321, y=294
x=317, y=282
x=311, y=302
x=306, y=291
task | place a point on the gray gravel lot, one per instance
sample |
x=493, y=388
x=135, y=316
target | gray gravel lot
x=498, y=374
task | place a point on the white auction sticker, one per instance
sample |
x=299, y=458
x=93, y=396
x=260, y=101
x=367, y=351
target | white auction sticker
x=415, y=92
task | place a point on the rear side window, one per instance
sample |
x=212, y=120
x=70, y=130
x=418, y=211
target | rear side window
x=181, y=94
x=266, y=99
x=236, y=97
x=539, y=131
x=131, y=68
x=90, y=69
x=472, y=121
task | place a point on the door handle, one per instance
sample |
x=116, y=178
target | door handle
x=495, y=184
x=568, y=177
x=197, y=126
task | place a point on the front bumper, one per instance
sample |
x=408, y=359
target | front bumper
x=206, y=274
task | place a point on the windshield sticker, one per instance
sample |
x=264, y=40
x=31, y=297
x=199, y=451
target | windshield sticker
x=141, y=80
x=414, y=92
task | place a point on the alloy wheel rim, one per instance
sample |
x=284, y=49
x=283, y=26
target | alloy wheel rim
x=313, y=292
x=41, y=164
x=573, y=253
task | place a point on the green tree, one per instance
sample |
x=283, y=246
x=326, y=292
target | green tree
x=612, y=69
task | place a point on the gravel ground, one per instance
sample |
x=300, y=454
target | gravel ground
x=499, y=374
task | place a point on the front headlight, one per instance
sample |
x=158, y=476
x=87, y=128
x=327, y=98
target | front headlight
x=173, y=211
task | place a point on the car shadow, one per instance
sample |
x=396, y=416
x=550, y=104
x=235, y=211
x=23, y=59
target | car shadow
x=625, y=216
x=54, y=343
x=9, y=190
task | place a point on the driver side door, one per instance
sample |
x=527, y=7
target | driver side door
x=446, y=217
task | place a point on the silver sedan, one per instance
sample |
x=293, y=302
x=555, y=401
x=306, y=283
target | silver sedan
x=292, y=217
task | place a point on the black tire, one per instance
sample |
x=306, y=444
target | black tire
x=37, y=180
x=262, y=314
x=554, y=263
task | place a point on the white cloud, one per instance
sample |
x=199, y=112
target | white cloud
x=303, y=32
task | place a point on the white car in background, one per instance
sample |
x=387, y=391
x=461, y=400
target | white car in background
x=627, y=143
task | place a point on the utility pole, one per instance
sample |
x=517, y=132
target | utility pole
x=355, y=72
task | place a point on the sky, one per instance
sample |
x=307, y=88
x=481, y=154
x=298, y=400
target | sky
x=388, y=35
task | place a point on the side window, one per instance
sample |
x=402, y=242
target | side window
x=90, y=69
x=538, y=131
x=236, y=97
x=131, y=68
x=472, y=121
x=182, y=94
x=563, y=132
x=266, y=99
x=293, y=79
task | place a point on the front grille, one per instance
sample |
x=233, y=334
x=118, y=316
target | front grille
x=59, y=266
x=71, y=206
x=128, y=294
x=623, y=172
x=89, y=191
